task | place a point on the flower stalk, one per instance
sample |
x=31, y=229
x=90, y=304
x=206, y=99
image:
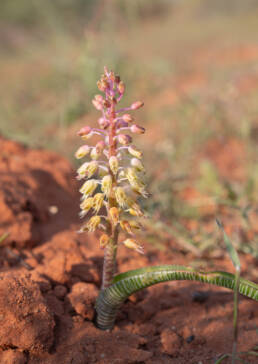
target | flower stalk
x=116, y=170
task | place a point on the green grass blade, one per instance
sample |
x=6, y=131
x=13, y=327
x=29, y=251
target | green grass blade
x=3, y=237
x=221, y=358
x=230, y=247
x=236, y=262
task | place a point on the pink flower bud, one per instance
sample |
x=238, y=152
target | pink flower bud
x=128, y=118
x=100, y=145
x=84, y=131
x=98, y=105
x=102, y=85
x=106, y=103
x=124, y=139
x=137, y=129
x=121, y=124
x=112, y=76
x=136, y=105
x=104, y=124
x=99, y=98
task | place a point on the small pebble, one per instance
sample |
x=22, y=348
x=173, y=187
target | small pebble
x=200, y=296
x=53, y=210
x=189, y=339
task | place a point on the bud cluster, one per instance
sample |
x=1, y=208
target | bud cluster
x=114, y=170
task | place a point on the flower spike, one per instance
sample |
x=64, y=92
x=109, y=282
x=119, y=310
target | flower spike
x=113, y=172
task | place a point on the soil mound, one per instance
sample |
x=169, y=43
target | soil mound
x=37, y=194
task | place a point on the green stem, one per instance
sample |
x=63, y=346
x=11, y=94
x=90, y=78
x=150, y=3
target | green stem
x=125, y=284
x=235, y=324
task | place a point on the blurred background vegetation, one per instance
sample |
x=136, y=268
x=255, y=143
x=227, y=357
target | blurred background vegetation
x=193, y=62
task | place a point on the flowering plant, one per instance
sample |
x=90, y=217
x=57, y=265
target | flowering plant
x=112, y=197
x=114, y=183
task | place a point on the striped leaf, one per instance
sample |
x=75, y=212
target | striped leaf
x=125, y=284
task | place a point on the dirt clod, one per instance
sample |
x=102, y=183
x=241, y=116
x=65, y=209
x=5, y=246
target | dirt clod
x=83, y=298
x=26, y=322
x=12, y=357
x=170, y=342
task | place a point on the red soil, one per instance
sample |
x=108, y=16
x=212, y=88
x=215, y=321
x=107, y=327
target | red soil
x=50, y=278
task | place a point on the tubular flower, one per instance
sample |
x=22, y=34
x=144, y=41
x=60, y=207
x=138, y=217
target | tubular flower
x=95, y=153
x=137, y=129
x=82, y=151
x=134, y=179
x=106, y=184
x=100, y=146
x=133, y=244
x=135, y=152
x=98, y=202
x=135, y=225
x=104, y=240
x=121, y=197
x=84, y=131
x=86, y=205
x=125, y=225
x=128, y=118
x=89, y=187
x=136, y=211
x=114, y=214
x=113, y=164
x=124, y=139
x=87, y=169
x=137, y=164
x=92, y=224
x=136, y=105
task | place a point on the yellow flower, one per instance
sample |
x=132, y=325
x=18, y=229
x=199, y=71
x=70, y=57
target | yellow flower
x=104, y=240
x=136, y=183
x=98, y=201
x=121, y=197
x=87, y=169
x=125, y=225
x=95, y=153
x=92, y=224
x=106, y=184
x=135, y=225
x=135, y=210
x=134, y=179
x=137, y=164
x=113, y=164
x=88, y=187
x=114, y=214
x=133, y=244
x=82, y=151
x=86, y=205
x=134, y=151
